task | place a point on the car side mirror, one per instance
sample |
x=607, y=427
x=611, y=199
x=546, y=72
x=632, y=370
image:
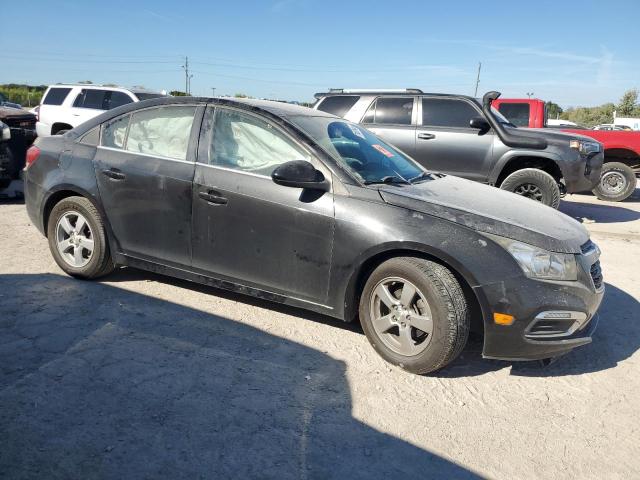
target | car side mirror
x=300, y=174
x=479, y=123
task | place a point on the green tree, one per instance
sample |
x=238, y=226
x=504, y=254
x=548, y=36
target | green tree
x=241, y=95
x=590, y=116
x=553, y=110
x=177, y=93
x=628, y=103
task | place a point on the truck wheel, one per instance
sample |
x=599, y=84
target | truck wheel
x=414, y=314
x=617, y=182
x=534, y=184
x=77, y=239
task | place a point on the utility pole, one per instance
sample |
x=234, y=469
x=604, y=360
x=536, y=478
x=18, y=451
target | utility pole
x=478, y=79
x=186, y=75
x=529, y=94
x=189, y=88
x=213, y=91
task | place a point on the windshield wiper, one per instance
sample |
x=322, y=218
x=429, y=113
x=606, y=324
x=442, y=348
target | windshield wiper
x=422, y=176
x=389, y=179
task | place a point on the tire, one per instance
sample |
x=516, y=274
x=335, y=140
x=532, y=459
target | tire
x=92, y=263
x=617, y=182
x=447, y=307
x=535, y=184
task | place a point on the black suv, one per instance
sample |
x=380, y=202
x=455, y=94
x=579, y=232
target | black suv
x=462, y=136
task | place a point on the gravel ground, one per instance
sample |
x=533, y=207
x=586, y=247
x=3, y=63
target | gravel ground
x=143, y=376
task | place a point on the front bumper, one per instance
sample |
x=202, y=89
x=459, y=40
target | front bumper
x=583, y=175
x=527, y=299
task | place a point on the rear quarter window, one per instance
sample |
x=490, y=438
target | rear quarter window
x=338, y=105
x=56, y=96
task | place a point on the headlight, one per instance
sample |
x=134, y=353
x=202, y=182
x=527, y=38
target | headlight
x=585, y=147
x=537, y=262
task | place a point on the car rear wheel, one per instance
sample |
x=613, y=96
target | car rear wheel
x=617, y=182
x=414, y=314
x=77, y=239
x=535, y=184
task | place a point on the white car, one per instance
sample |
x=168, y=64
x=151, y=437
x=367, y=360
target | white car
x=64, y=107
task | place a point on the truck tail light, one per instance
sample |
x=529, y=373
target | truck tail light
x=32, y=155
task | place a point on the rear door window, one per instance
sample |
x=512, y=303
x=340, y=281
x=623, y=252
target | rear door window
x=117, y=99
x=162, y=131
x=95, y=99
x=56, y=96
x=516, y=113
x=338, y=105
x=390, y=111
x=447, y=112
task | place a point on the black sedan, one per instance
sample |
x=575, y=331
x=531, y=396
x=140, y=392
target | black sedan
x=300, y=207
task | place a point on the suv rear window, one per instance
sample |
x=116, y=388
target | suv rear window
x=390, y=111
x=338, y=105
x=55, y=96
x=447, y=112
x=516, y=113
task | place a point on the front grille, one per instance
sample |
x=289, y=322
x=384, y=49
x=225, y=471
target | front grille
x=596, y=274
x=27, y=123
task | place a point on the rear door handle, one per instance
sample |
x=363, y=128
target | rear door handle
x=212, y=196
x=426, y=136
x=114, y=174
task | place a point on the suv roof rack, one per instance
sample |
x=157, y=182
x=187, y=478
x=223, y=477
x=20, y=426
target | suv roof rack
x=375, y=90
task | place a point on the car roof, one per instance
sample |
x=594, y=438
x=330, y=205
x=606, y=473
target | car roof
x=409, y=92
x=272, y=108
x=102, y=87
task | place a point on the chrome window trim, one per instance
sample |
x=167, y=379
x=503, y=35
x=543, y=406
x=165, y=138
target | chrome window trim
x=161, y=157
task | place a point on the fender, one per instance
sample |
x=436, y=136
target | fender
x=511, y=154
x=370, y=258
x=95, y=200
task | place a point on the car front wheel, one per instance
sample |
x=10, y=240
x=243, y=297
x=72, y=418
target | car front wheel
x=414, y=314
x=77, y=239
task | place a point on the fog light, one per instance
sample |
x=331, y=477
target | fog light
x=503, y=318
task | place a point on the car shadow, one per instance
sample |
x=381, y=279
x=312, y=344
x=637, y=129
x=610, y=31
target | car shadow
x=616, y=338
x=100, y=382
x=598, y=213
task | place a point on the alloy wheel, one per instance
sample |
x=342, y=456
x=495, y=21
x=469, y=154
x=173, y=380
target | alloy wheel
x=74, y=239
x=529, y=190
x=401, y=316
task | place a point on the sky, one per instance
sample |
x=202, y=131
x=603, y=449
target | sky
x=574, y=53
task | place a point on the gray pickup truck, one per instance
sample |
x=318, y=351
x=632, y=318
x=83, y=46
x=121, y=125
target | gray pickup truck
x=466, y=137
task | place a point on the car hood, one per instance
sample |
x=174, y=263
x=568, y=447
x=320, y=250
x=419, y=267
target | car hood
x=555, y=135
x=490, y=210
x=6, y=112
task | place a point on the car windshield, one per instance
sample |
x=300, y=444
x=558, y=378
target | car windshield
x=370, y=159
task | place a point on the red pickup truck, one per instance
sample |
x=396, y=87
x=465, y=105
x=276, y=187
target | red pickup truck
x=621, y=149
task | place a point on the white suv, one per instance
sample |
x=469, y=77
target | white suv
x=64, y=107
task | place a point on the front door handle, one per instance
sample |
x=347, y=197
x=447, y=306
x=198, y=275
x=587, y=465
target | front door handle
x=426, y=136
x=114, y=174
x=212, y=196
